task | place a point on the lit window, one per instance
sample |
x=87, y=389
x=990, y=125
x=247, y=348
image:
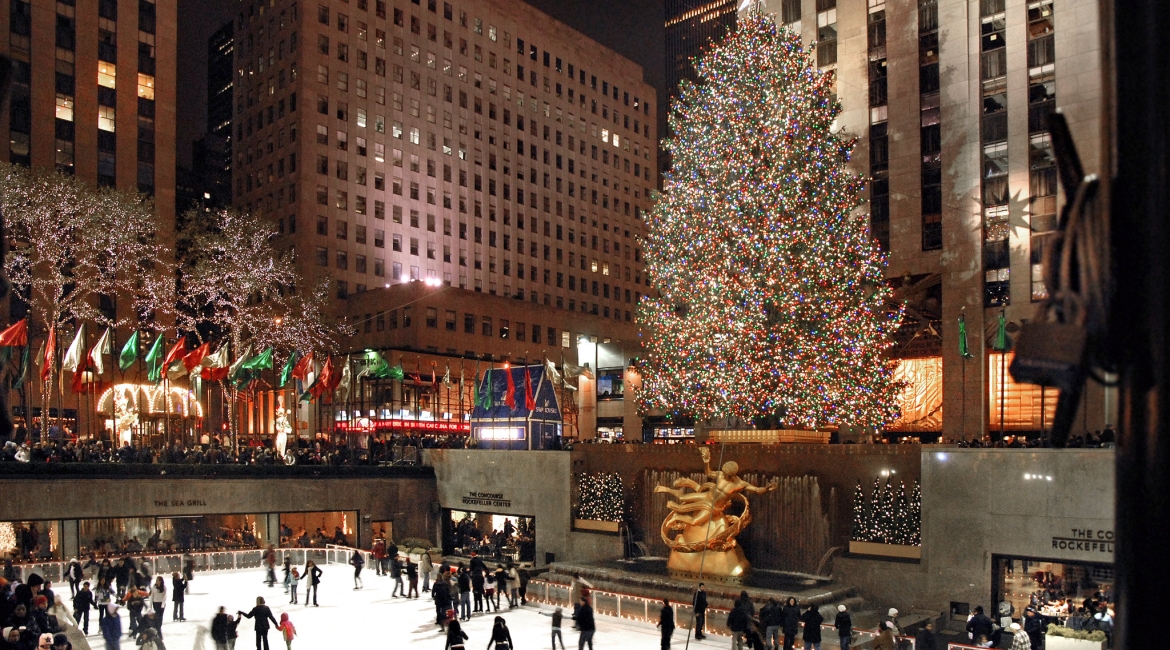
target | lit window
x=106, y=118
x=107, y=74
x=616, y=140
x=605, y=135
x=361, y=117
x=64, y=107
x=145, y=86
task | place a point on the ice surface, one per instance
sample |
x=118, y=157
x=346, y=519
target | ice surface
x=371, y=618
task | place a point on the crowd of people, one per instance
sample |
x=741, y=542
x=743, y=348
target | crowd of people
x=511, y=541
x=395, y=449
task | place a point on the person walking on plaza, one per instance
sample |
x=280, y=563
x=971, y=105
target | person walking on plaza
x=925, y=639
x=501, y=636
x=294, y=580
x=558, y=617
x=585, y=624
x=411, y=578
x=178, y=596
x=455, y=636
x=270, y=562
x=844, y=625
x=158, y=598
x=82, y=602
x=111, y=626
x=262, y=615
x=666, y=623
x=700, y=608
x=425, y=568
x=287, y=631
x=812, y=620
x=979, y=625
x=357, y=562
x=791, y=623
x=312, y=579
x=772, y=619
x=396, y=573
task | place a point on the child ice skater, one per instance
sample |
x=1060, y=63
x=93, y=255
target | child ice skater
x=294, y=578
x=287, y=631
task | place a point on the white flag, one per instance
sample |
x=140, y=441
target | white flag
x=346, y=381
x=217, y=360
x=75, y=356
x=97, y=355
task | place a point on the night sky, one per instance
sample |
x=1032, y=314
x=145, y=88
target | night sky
x=633, y=28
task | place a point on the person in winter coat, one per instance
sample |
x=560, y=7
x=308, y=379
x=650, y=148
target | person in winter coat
x=1020, y=640
x=885, y=640
x=411, y=578
x=441, y=594
x=287, y=631
x=178, y=596
x=287, y=569
x=844, y=625
x=925, y=639
x=75, y=575
x=425, y=568
x=812, y=620
x=772, y=619
x=313, y=578
x=270, y=563
x=111, y=627
x=262, y=615
x=294, y=580
x=223, y=628
x=501, y=636
x=585, y=623
x=150, y=639
x=455, y=636
x=158, y=598
x=502, y=587
x=463, y=580
x=357, y=562
x=738, y=620
x=791, y=623
x=979, y=625
x=489, y=591
x=82, y=602
x=557, y=618
x=666, y=623
x=700, y=607
x=396, y=573
x=514, y=587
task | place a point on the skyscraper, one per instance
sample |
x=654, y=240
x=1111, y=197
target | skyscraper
x=691, y=26
x=93, y=92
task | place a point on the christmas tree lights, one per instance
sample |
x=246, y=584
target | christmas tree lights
x=601, y=496
x=889, y=516
x=859, y=523
x=771, y=296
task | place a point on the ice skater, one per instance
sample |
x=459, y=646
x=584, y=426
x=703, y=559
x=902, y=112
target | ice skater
x=558, y=617
x=270, y=562
x=294, y=578
x=287, y=631
x=287, y=568
x=357, y=562
x=585, y=624
x=313, y=578
x=666, y=623
x=455, y=636
x=262, y=615
x=501, y=636
x=425, y=568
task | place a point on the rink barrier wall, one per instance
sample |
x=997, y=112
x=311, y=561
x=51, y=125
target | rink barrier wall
x=639, y=608
x=204, y=562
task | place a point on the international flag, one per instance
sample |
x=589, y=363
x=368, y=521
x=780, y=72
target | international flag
x=529, y=395
x=510, y=391
x=129, y=353
x=16, y=334
x=154, y=360
x=104, y=346
x=286, y=372
x=75, y=355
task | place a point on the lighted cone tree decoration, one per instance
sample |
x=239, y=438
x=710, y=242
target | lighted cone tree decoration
x=770, y=291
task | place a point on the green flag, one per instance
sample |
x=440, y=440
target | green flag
x=154, y=360
x=129, y=353
x=1001, y=333
x=18, y=381
x=486, y=393
x=262, y=361
x=964, y=350
x=286, y=372
x=396, y=373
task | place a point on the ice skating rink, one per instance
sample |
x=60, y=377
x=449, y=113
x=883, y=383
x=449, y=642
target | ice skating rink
x=369, y=618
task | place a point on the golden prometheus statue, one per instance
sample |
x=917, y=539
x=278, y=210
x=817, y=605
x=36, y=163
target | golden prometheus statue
x=700, y=535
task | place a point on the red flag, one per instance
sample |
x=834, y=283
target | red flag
x=48, y=362
x=16, y=334
x=304, y=365
x=193, y=358
x=322, y=386
x=529, y=396
x=176, y=353
x=214, y=374
x=510, y=393
x=78, y=385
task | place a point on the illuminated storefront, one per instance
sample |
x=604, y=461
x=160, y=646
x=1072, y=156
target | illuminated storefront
x=147, y=412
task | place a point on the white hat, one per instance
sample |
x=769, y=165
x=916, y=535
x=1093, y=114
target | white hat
x=1015, y=626
x=893, y=612
x=840, y=608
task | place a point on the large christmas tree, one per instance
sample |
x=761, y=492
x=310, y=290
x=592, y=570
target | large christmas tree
x=771, y=297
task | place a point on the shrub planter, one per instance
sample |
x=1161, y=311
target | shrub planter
x=1065, y=643
x=897, y=551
